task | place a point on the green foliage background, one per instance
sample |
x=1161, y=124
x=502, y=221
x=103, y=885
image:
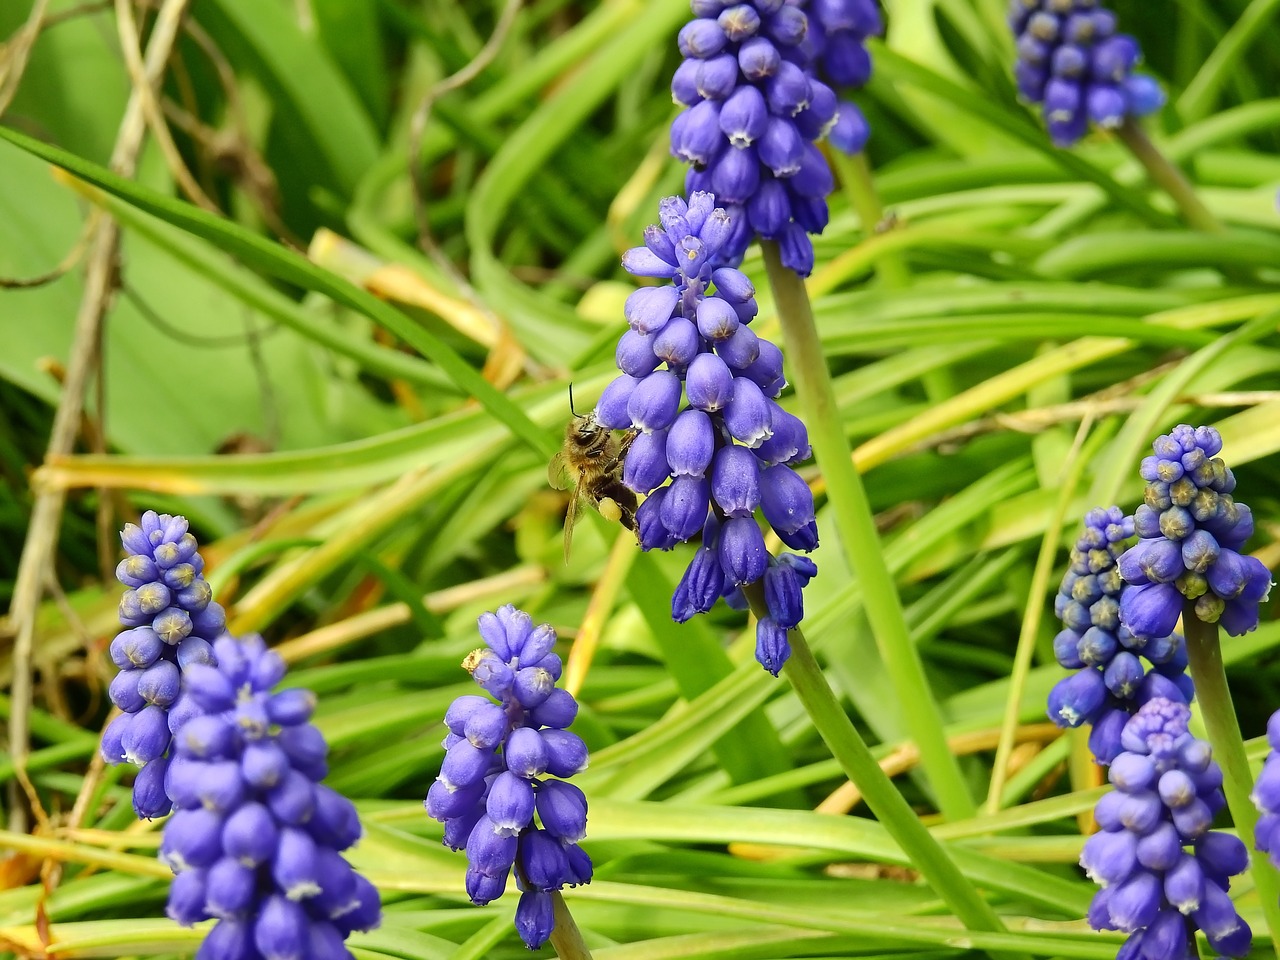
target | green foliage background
x=1046, y=288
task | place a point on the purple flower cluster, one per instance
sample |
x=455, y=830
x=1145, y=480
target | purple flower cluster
x=837, y=45
x=508, y=760
x=1192, y=532
x=1266, y=797
x=256, y=839
x=1110, y=681
x=171, y=621
x=1168, y=789
x=754, y=109
x=708, y=464
x=1073, y=63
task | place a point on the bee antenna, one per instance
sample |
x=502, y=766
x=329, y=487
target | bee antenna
x=571, y=410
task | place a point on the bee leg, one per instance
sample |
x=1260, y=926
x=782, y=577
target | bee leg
x=628, y=518
x=614, y=463
x=623, y=501
x=609, y=509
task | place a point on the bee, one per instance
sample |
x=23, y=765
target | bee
x=591, y=463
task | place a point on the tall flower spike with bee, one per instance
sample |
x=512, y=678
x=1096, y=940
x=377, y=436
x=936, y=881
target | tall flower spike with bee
x=591, y=463
x=699, y=387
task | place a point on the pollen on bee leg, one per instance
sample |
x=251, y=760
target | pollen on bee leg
x=610, y=510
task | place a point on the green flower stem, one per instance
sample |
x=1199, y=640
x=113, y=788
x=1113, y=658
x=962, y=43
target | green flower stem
x=1219, y=714
x=565, y=935
x=882, y=797
x=856, y=528
x=860, y=188
x=1168, y=177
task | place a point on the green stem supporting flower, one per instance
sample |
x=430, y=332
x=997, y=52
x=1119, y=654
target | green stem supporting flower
x=1168, y=177
x=565, y=935
x=858, y=763
x=1214, y=699
x=860, y=189
x=856, y=530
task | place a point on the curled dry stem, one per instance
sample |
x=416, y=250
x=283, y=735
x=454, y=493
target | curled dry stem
x=100, y=283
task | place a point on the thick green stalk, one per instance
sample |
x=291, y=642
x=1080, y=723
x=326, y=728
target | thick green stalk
x=1219, y=714
x=1168, y=177
x=855, y=178
x=565, y=936
x=882, y=797
x=856, y=529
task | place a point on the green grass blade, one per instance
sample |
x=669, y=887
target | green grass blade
x=293, y=268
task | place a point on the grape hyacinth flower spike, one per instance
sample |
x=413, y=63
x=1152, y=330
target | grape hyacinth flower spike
x=256, y=841
x=171, y=621
x=1074, y=64
x=1189, y=563
x=1110, y=681
x=713, y=446
x=837, y=39
x=506, y=762
x=836, y=48
x=754, y=109
x=1191, y=534
x=1266, y=797
x=1167, y=790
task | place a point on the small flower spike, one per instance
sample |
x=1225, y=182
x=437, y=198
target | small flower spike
x=838, y=32
x=256, y=840
x=1266, y=797
x=1074, y=64
x=755, y=107
x=1192, y=534
x=171, y=621
x=1164, y=874
x=1110, y=680
x=503, y=792
x=708, y=465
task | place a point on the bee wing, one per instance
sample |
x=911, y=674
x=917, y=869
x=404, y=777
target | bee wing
x=570, y=521
x=559, y=474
